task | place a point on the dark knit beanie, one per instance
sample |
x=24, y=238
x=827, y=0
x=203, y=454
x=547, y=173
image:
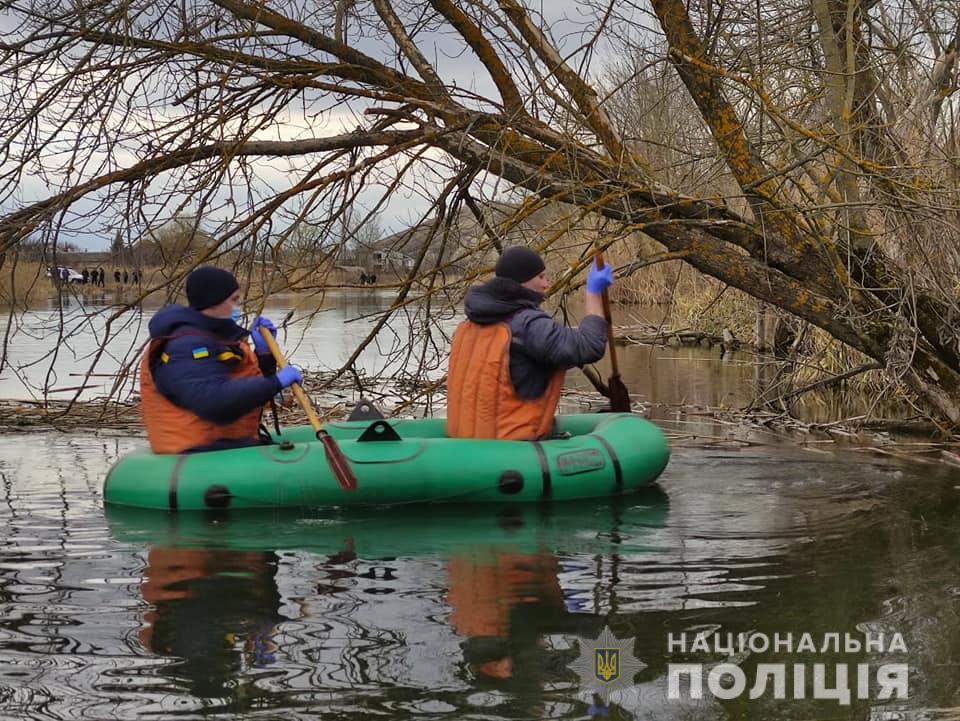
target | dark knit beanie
x=520, y=264
x=208, y=286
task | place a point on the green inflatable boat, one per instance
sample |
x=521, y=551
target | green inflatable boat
x=399, y=462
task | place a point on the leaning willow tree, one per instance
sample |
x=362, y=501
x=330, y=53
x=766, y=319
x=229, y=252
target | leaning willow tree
x=818, y=172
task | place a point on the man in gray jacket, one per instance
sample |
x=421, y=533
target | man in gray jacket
x=508, y=358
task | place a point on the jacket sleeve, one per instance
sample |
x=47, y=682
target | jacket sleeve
x=545, y=340
x=204, y=385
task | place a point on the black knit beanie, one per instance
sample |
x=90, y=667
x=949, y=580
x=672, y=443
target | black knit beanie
x=208, y=286
x=520, y=264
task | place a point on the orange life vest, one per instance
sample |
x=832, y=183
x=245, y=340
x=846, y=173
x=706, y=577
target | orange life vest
x=481, y=400
x=172, y=429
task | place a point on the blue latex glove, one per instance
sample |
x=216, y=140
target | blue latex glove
x=289, y=375
x=259, y=344
x=599, y=280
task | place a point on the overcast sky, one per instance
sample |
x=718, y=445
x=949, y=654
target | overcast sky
x=568, y=22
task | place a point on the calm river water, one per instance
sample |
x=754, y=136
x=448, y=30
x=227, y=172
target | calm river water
x=450, y=613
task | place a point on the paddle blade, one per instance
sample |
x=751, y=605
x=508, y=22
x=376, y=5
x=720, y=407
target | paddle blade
x=338, y=462
x=619, y=396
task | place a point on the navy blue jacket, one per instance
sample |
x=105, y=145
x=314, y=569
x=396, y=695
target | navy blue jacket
x=539, y=345
x=203, y=385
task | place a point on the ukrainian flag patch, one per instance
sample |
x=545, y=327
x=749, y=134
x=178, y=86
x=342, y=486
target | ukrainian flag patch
x=200, y=353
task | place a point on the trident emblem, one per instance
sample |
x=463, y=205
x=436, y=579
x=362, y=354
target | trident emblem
x=607, y=664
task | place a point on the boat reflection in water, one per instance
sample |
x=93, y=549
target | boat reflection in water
x=215, y=610
x=499, y=580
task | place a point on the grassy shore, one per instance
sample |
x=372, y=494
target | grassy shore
x=26, y=284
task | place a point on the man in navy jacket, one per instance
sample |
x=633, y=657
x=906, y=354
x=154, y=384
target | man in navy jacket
x=202, y=386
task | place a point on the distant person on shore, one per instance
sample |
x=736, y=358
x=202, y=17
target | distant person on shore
x=116, y=277
x=202, y=386
x=125, y=277
x=86, y=276
x=508, y=358
x=135, y=277
x=100, y=279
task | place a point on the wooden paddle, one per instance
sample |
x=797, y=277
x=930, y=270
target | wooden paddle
x=338, y=462
x=619, y=396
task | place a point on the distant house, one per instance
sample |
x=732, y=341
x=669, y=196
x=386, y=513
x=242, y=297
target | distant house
x=388, y=259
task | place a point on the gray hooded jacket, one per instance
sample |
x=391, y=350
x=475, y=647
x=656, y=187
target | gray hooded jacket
x=539, y=345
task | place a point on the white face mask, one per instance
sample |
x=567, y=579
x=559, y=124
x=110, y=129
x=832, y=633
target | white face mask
x=236, y=314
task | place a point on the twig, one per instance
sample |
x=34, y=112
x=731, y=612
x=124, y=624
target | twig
x=832, y=380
